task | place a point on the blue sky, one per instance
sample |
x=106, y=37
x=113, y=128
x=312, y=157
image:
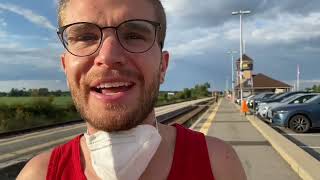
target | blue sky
x=279, y=35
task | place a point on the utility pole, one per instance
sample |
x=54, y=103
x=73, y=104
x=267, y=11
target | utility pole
x=241, y=48
x=298, y=78
x=232, y=72
x=212, y=89
x=227, y=85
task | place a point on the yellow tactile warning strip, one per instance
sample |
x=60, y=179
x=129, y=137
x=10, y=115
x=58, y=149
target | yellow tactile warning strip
x=206, y=125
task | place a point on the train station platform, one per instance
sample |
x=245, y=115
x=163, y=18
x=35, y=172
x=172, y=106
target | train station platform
x=259, y=159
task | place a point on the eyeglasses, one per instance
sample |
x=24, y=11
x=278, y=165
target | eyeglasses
x=84, y=38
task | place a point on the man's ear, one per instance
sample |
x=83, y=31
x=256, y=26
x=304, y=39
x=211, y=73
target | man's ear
x=63, y=63
x=63, y=66
x=164, y=65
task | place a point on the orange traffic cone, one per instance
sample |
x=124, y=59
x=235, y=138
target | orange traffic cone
x=244, y=107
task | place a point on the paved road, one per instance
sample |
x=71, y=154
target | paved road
x=259, y=159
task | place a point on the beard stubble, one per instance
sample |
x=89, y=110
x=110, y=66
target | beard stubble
x=117, y=117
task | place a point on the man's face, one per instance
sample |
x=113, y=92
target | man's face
x=93, y=79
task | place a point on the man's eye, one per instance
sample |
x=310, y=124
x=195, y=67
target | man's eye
x=134, y=36
x=84, y=38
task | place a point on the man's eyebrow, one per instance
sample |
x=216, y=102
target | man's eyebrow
x=136, y=26
x=81, y=27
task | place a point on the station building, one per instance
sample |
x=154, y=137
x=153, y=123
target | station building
x=256, y=83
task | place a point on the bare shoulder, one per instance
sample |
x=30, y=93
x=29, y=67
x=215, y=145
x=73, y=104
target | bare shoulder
x=225, y=163
x=36, y=168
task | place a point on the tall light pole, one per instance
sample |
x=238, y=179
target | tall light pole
x=232, y=72
x=241, y=49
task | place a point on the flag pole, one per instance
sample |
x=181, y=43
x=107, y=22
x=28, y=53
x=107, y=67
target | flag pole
x=298, y=77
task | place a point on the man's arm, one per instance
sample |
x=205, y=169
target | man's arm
x=225, y=162
x=36, y=168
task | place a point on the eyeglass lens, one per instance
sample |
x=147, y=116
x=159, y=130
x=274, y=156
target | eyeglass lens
x=84, y=38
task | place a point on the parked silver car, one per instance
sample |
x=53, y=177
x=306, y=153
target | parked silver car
x=263, y=108
x=298, y=117
x=296, y=99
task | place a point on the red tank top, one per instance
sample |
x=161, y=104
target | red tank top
x=190, y=161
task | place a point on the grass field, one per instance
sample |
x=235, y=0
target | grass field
x=59, y=101
x=18, y=113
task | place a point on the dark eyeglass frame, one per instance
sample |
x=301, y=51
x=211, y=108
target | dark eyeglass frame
x=156, y=25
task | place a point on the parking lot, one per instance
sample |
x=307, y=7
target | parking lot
x=307, y=141
x=291, y=104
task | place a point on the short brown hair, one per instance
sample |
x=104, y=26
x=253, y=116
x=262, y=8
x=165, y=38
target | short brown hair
x=159, y=12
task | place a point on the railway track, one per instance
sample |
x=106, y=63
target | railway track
x=16, y=148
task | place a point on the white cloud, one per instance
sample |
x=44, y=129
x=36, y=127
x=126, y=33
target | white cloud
x=309, y=49
x=3, y=23
x=277, y=32
x=3, y=33
x=289, y=28
x=29, y=15
x=183, y=8
x=56, y=2
x=9, y=45
x=174, y=7
x=271, y=25
x=43, y=57
x=285, y=28
x=197, y=46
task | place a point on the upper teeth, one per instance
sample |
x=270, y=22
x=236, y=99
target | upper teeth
x=115, y=84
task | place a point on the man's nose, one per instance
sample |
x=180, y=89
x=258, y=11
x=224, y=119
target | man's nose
x=110, y=52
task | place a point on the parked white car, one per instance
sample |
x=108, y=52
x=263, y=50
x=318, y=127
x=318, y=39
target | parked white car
x=238, y=101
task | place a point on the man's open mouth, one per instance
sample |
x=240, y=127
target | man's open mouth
x=113, y=88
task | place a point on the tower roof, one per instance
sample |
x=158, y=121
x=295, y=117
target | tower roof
x=246, y=58
x=261, y=81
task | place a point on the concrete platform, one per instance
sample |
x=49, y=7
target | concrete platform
x=258, y=157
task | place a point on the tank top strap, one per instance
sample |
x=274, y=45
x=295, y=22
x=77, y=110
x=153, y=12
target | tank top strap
x=65, y=162
x=191, y=158
x=53, y=164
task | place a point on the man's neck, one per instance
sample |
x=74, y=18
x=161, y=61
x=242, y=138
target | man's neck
x=162, y=159
x=151, y=120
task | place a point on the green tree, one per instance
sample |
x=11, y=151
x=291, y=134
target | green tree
x=43, y=92
x=200, y=90
x=181, y=95
x=187, y=93
x=165, y=96
x=207, y=85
